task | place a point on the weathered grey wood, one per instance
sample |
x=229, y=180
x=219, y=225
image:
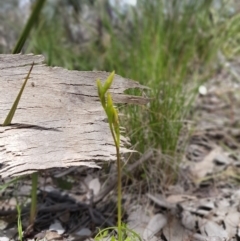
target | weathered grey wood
x=59, y=121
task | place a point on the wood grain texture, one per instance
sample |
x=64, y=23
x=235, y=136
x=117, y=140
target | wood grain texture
x=59, y=121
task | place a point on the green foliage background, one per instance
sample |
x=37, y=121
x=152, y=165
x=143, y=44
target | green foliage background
x=170, y=46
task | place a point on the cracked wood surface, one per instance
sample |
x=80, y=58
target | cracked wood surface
x=59, y=121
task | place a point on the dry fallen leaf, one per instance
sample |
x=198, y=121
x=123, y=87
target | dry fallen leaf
x=156, y=223
x=94, y=187
x=138, y=219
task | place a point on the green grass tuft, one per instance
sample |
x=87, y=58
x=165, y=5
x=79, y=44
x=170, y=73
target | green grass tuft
x=166, y=45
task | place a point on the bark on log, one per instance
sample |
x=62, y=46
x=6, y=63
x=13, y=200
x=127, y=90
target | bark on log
x=59, y=121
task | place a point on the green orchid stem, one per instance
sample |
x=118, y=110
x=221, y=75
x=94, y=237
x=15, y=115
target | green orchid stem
x=112, y=115
x=119, y=204
x=119, y=185
x=33, y=210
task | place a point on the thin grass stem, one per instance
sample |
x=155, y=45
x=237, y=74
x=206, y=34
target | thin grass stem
x=33, y=210
x=29, y=25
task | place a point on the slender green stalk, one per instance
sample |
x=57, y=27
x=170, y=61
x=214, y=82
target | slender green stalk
x=26, y=31
x=112, y=115
x=19, y=223
x=119, y=185
x=33, y=210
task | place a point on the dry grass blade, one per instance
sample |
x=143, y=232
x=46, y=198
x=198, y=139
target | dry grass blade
x=12, y=111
